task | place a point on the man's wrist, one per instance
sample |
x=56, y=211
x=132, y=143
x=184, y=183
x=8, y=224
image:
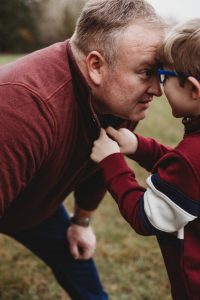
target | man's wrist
x=84, y=222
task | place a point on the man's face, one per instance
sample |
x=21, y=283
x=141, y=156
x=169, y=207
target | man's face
x=127, y=89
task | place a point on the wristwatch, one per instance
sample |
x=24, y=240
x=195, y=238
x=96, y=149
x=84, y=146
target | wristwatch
x=84, y=222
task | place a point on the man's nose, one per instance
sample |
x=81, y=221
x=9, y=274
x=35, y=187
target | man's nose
x=155, y=88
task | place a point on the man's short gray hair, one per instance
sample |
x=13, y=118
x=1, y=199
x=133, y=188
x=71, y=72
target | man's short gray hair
x=102, y=22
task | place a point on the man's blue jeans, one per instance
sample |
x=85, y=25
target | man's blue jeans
x=48, y=241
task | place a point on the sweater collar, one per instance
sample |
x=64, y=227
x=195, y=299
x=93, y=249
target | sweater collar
x=191, y=125
x=83, y=94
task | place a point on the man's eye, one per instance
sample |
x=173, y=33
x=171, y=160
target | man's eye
x=147, y=73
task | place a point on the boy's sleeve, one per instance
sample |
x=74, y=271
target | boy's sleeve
x=167, y=204
x=149, y=151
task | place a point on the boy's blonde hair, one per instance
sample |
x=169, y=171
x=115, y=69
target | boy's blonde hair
x=181, y=48
x=102, y=23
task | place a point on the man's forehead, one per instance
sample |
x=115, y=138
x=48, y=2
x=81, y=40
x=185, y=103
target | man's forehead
x=152, y=62
x=146, y=46
x=147, y=43
x=140, y=35
x=147, y=52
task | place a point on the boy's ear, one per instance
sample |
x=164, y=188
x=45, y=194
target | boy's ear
x=195, y=87
x=95, y=63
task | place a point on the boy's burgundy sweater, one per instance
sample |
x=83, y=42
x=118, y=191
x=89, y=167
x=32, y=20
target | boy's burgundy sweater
x=47, y=128
x=175, y=179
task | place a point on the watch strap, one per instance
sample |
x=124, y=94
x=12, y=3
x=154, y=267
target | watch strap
x=84, y=222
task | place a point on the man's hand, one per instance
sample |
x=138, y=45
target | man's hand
x=82, y=241
x=103, y=147
x=126, y=140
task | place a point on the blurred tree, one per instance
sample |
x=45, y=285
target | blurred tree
x=26, y=25
x=55, y=18
x=69, y=17
x=48, y=14
x=18, y=30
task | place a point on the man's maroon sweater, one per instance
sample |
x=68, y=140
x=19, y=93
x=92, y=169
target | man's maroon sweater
x=47, y=127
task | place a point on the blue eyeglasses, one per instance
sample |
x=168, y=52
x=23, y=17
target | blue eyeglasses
x=163, y=74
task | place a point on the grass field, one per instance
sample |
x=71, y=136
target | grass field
x=6, y=58
x=130, y=265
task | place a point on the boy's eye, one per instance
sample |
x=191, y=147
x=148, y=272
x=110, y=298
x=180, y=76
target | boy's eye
x=163, y=78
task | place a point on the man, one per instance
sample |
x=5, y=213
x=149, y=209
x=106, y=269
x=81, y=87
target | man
x=52, y=105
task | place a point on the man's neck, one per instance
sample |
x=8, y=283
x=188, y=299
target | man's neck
x=80, y=59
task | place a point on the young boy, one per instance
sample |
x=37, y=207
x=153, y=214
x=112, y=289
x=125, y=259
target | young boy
x=170, y=206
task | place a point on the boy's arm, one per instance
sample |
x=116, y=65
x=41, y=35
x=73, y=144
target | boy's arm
x=167, y=204
x=148, y=152
x=145, y=151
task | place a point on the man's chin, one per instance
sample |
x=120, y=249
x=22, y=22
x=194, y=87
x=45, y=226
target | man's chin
x=134, y=117
x=138, y=117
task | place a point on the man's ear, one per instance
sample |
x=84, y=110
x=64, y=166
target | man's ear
x=95, y=63
x=195, y=87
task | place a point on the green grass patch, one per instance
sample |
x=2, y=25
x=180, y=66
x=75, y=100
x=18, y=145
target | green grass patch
x=131, y=266
x=6, y=58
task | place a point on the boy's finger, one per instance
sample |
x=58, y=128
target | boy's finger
x=112, y=132
x=102, y=132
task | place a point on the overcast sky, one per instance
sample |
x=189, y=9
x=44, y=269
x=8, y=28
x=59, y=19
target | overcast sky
x=179, y=9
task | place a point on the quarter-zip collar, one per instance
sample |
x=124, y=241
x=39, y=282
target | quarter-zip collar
x=83, y=95
x=191, y=125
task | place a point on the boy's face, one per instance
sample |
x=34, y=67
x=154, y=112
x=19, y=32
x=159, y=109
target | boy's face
x=180, y=97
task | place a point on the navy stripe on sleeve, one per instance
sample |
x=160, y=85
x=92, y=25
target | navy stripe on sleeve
x=143, y=217
x=178, y=197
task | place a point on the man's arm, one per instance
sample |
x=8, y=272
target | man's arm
x=82, y=240
x=80, y=235
x=91, y=191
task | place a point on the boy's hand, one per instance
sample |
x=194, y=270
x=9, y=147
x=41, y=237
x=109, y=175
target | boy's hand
x=103, y=147
x=126, y=140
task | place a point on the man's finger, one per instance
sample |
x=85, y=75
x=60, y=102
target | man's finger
x=74, y=251
x=86, y=254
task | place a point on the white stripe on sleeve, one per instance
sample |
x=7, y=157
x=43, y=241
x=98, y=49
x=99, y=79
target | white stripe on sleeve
x=162, y=212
